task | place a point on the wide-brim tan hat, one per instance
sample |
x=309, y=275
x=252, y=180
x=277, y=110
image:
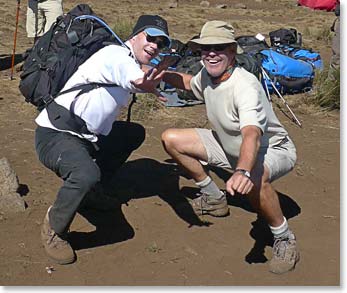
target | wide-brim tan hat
x=216, y=32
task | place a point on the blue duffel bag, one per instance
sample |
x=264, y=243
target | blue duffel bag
x=289, y=75
x=304, y=54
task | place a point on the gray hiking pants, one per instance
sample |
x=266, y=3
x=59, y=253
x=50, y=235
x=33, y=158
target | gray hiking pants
x=81, y=166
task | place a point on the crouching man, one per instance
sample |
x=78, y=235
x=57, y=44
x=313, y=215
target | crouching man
x=84, y=160
x=247, y=138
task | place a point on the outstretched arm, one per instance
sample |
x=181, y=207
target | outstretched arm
x=178, y=80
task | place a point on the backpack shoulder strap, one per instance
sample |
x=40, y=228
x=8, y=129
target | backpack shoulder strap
x=65, y=119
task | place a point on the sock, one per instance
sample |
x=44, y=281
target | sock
x=209, y=187
x=281, y=231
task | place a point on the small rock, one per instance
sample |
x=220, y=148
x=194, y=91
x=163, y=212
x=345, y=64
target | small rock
x=205, y=4
x=240, y=6
x=173, y=4
x=222, y=6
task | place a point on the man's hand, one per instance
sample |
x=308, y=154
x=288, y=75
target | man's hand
x=240, y=183
x=150, y=81
x=167, y=61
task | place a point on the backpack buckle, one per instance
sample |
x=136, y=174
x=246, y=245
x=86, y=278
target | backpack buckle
x=47, y=99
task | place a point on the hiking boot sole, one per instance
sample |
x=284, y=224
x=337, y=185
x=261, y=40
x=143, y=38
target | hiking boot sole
x=222, y=212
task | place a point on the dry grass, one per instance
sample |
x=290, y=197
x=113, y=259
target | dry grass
x=148, y=108
x=321, y=33
x=123, y=27
x=327, y=91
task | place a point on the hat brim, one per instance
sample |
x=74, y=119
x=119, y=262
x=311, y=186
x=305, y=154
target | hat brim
x=195, y=43
x=154, y=32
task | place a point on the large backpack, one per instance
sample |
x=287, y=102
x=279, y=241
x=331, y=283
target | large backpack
x=71, y=40
x=289, y=75
x=251, y=44
x=285, y=36
x=304, y=54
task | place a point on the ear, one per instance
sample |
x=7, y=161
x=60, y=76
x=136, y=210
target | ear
x=132, y=39
x=234, y=47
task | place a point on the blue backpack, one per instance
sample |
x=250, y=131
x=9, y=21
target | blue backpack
x=289, y=75
x=304, y=54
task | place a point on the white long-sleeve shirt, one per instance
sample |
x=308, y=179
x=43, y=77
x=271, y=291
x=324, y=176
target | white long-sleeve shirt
x=100, y=107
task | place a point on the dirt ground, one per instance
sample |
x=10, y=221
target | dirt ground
x=150, y=241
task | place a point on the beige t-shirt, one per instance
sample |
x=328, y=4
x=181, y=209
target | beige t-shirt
x=235, y=103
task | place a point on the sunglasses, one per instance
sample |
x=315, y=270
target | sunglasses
x=157, y=40
x=215, y=47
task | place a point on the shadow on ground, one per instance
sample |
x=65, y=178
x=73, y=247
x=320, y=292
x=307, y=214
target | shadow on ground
x=110, y=227
x=146, y=177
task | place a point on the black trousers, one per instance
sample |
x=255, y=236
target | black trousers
x=80, y=165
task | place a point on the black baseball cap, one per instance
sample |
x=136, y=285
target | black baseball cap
x=153, y=25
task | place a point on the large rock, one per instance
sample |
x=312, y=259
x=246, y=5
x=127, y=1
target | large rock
x=10, y=200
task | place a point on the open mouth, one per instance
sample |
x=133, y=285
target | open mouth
x=150, y=53
x=213, y=61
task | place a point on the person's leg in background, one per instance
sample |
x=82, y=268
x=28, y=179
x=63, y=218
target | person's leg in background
x=51, y=10
x=34, y=21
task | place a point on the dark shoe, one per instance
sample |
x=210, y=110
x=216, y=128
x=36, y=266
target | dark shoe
x=57, y=248
x=205, y=205
x=97, y=200
x=285, y=255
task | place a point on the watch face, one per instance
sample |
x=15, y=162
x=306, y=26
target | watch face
x=244, y=172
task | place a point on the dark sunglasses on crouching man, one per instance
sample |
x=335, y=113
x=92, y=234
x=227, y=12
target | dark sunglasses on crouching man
x=160, y=41
x=214, y=47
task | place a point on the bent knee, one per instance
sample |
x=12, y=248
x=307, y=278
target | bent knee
x=169, y=136
x=86, y=177
x=177, y=139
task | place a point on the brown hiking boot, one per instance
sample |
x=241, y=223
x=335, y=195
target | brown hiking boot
x=205, y=205
x=285, y=255
x=57, y=248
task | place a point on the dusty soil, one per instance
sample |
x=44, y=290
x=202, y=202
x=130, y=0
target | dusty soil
x=150, y=241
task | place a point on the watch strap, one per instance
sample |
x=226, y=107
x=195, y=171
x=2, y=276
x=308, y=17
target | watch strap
x=244, y=172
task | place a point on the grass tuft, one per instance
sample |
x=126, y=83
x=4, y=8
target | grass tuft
x=327, y=90
x=123, y=28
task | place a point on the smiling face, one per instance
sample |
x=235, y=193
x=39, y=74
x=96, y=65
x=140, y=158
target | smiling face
x=145, y=48
x=217, y=58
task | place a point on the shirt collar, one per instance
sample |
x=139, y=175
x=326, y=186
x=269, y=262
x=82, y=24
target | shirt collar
x=131, y=54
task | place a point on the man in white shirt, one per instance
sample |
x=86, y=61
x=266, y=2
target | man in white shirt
x=89, y=159
x=247, y=137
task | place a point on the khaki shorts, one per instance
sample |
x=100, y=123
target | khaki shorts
x=278, y=159
x=41, y=15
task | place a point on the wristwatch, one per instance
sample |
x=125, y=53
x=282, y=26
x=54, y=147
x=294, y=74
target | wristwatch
x=244, y=172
